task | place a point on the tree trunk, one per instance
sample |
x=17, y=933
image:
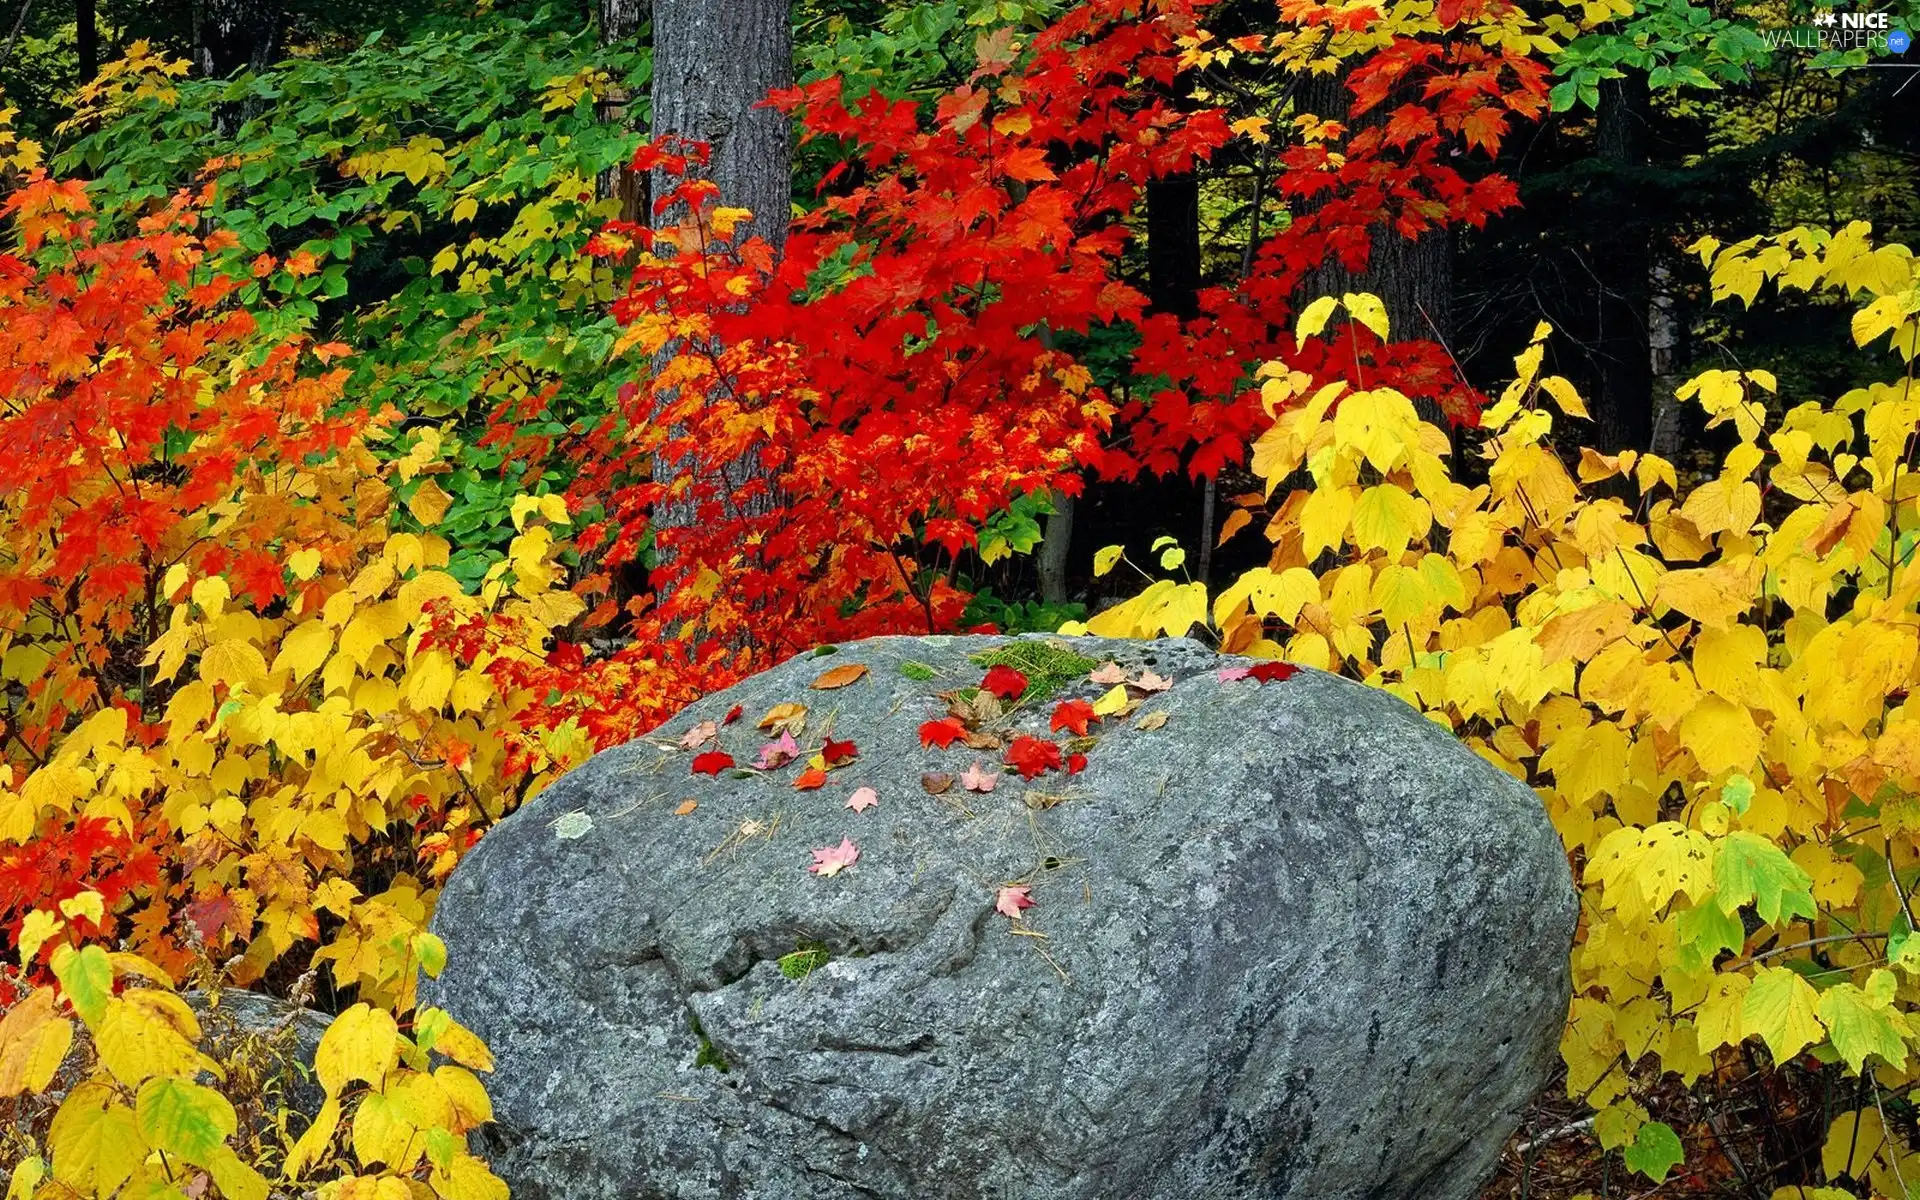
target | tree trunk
x=86, y=39
x=1666, y=358
x=620, y=21
x=233, y=35
x=1173, y=245
x=1412, y=276
x=714, y=61
x=1056, y=544
x=1622, y=263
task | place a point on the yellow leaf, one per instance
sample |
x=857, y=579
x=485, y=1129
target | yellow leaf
x=362, y=1043
x=1252, y=127
x=304, y=563
x=1722, y=735
x=429, y=503
x=446, y=260
x=464, y=208
x=1313, y=318
x=1564, y=395
x=468, y=1096
x=1387, y=517
x=429, y=681
x=1114, y=701
x=95, y=1141
x=1324, y=519
x=313, y=1143
x=382, y=1137
x=35, y=929
x=1714, y=596
x=303, y=650
x=1367, y=308
x=34, y=1040
x=1779, y=1009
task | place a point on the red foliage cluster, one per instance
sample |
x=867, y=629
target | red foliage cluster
x=812, y=427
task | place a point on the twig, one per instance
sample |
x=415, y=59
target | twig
x=19, y=23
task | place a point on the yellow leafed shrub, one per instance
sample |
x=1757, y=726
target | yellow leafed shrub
x=140, y=1107
x=1707, y=685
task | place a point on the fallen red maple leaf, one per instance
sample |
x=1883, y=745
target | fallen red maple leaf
x=1004, y=682
x=712, y=762
x=831, y=860
x=1273, y=672
x=1033, y=756
x=809, y=779
x=1076, y=763
x=1074, y=715
x=942, y=733
x=733, y=714
x=836, y=753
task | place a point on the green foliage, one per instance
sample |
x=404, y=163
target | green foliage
x=1675, y=43
x=432, y=199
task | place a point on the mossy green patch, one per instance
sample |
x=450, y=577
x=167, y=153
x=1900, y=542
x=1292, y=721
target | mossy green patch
x=917, y=671
x=810, y=957
x=1048, y=666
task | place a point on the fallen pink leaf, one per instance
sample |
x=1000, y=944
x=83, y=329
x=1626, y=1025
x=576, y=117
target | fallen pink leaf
x=831, y=860
x=1011, y=900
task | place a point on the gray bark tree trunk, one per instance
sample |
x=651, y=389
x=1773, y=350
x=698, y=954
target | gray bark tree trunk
x=714, y=61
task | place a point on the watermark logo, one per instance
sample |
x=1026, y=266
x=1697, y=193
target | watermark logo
x=1832, y=30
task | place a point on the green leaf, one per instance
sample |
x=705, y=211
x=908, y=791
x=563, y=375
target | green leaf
x=1737, y=795
x=1749, y=869
x=1655, y=1151
x=1779, y=1009
x=86, y=977
x=183, y=1118
x=1863, y=1022
x=1704, y=931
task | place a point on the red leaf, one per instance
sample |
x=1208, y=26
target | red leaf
x=1076, y=763
x=838, y=752
x=1273, y=672
x=712, y=762
x=1032, y=756
x=942, y=733
x=1074, y=715
x=1004, y=682
x=809, y=779
x=733, y=714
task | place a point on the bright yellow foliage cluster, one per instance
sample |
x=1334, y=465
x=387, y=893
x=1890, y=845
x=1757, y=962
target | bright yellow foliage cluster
x=144, y=1110
x=1708, y=686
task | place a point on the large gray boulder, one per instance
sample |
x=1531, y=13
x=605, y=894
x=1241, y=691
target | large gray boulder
x=1295, y=942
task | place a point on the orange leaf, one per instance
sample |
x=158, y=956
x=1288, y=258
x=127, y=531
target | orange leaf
x=840, y=676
